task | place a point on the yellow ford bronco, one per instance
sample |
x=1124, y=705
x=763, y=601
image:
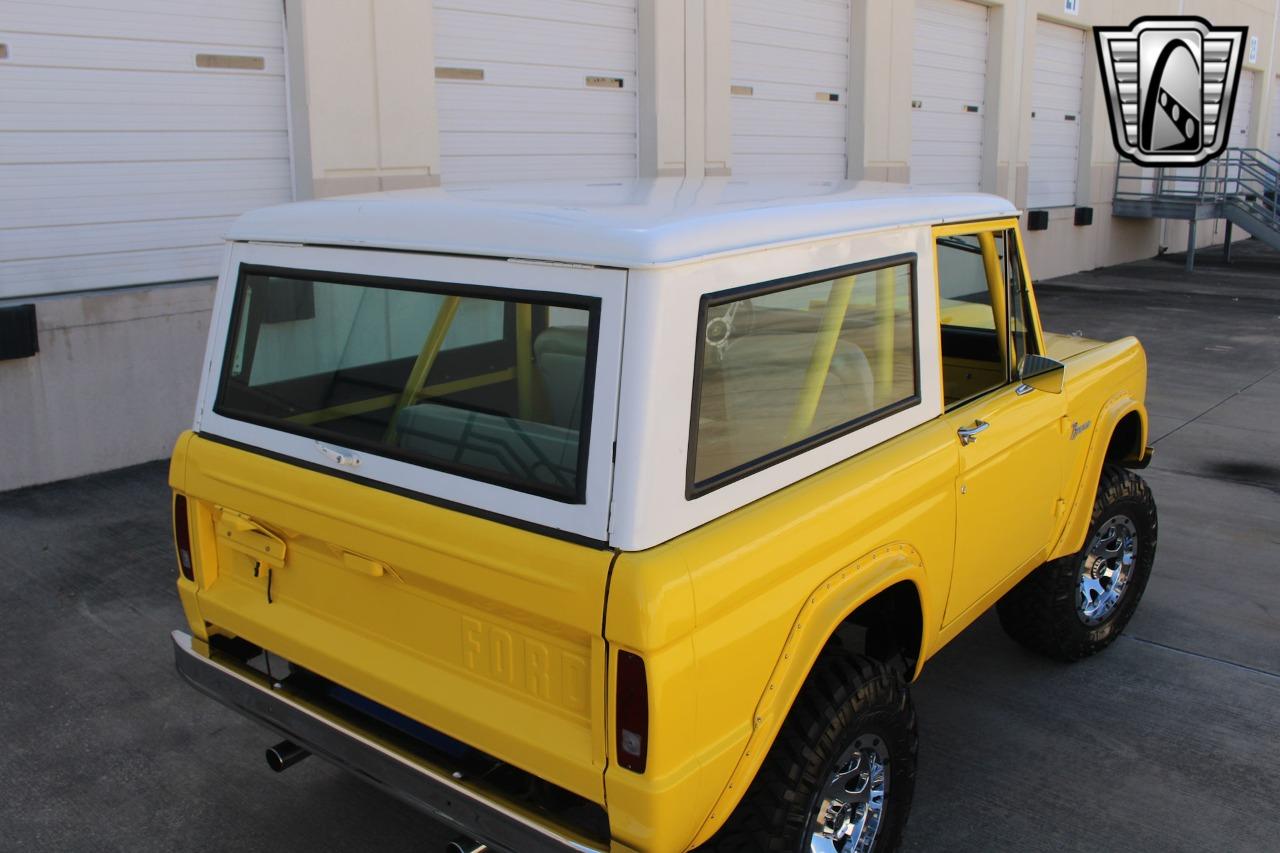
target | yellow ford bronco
x=621, y=516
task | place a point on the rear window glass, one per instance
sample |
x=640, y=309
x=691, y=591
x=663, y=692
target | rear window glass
x=787, y=365
x=487, y=383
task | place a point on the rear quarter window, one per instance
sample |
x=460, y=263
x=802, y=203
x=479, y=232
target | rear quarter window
x=491, y=384
x=785, y=366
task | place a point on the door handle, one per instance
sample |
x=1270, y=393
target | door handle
x=968, y=435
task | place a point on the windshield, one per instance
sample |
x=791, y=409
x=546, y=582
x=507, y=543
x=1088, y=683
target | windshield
x=487, y=383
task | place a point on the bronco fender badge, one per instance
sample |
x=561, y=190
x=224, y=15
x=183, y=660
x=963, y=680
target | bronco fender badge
x=1077, y=428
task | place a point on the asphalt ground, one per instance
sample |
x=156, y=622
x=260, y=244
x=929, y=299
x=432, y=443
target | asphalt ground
x=1168, y=741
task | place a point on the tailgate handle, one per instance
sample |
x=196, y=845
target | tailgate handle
x=363, y=565
x=247, y=536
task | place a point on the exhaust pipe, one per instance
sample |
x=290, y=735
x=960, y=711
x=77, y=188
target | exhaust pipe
x=465, y=845
x=284, y=755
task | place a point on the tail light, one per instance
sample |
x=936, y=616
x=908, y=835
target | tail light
x=182, y=536
x=633, y=712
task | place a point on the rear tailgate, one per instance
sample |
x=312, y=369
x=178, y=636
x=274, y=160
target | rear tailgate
x=400, y=481
x=485, y=631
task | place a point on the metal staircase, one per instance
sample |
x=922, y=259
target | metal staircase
x=1240, y=187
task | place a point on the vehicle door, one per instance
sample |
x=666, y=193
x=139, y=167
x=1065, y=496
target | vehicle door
x=1009, y=433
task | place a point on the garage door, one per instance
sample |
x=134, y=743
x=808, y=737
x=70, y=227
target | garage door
x=1274, y=143
x=133, y=132
x=1056, y=90
x=790, y=87
x=530, y=90
x=948, y=87
x=1242, y=117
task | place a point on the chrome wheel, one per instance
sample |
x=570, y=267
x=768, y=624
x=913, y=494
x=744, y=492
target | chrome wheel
x=851, y=806
x=1107, y=568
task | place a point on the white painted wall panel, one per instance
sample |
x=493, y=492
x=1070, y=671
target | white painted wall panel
x=533, y=116
x=1242, y=116
x=948, y=91
x=252, y=24
x=1273, y=145
x=1057, y=91
x=121, y=161
x=791, y=60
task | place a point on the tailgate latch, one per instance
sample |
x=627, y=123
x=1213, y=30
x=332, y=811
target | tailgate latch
x=249, y=537
x=241, y=533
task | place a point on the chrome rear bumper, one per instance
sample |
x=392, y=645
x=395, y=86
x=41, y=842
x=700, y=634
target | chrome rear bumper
x=502, y=826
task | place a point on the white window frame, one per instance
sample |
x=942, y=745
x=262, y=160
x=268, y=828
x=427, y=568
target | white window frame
x=650, y=504
x=587, y=520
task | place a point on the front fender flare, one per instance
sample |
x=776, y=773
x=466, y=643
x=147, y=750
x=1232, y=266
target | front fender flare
x=1077, y=523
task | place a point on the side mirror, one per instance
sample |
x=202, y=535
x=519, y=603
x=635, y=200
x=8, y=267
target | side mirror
x=1042, y=373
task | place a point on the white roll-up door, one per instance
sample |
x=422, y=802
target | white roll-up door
x=530, y=90
x=131, y=133
x=948, y=88
x=1242, y=116
x=790, y=87
x=1057, y=90
x=1273, y=146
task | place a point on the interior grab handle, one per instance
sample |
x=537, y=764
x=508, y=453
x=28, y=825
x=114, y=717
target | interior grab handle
x=968, y=435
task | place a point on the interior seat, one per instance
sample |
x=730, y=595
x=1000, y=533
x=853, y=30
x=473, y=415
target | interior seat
x=561, y=355
x=533, y=453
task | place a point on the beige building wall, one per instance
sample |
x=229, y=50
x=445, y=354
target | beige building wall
x=115, y=380
x=113, y=384
x=367, y=103
x=880, y=122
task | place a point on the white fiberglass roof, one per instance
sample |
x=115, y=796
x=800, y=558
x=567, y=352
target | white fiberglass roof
x=622, y=223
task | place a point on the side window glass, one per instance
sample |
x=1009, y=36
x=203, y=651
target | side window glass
x=1021, y=326
x=783, y=368
x=985, y=313
x=962, y=284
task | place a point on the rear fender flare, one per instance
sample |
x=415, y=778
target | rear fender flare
x=822, y=612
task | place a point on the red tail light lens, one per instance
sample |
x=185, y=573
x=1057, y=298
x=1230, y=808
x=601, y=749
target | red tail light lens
x=182, y=536
x=633, y=712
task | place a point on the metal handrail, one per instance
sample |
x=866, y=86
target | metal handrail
x=1257, y=184
x=1244, y=181
x=1260, y=154
x=1238, y=173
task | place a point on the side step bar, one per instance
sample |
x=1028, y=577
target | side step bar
x=500, y=826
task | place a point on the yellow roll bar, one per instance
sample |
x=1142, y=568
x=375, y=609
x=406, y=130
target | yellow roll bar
x=425, y=361
x=524, y=360
x=996, y=285
x=820, y=362
x=885, y=316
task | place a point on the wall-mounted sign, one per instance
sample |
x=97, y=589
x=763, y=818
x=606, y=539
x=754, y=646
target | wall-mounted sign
x=1253, y=48
x=1071, y=7
x=443, y=73
x=224, y=60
